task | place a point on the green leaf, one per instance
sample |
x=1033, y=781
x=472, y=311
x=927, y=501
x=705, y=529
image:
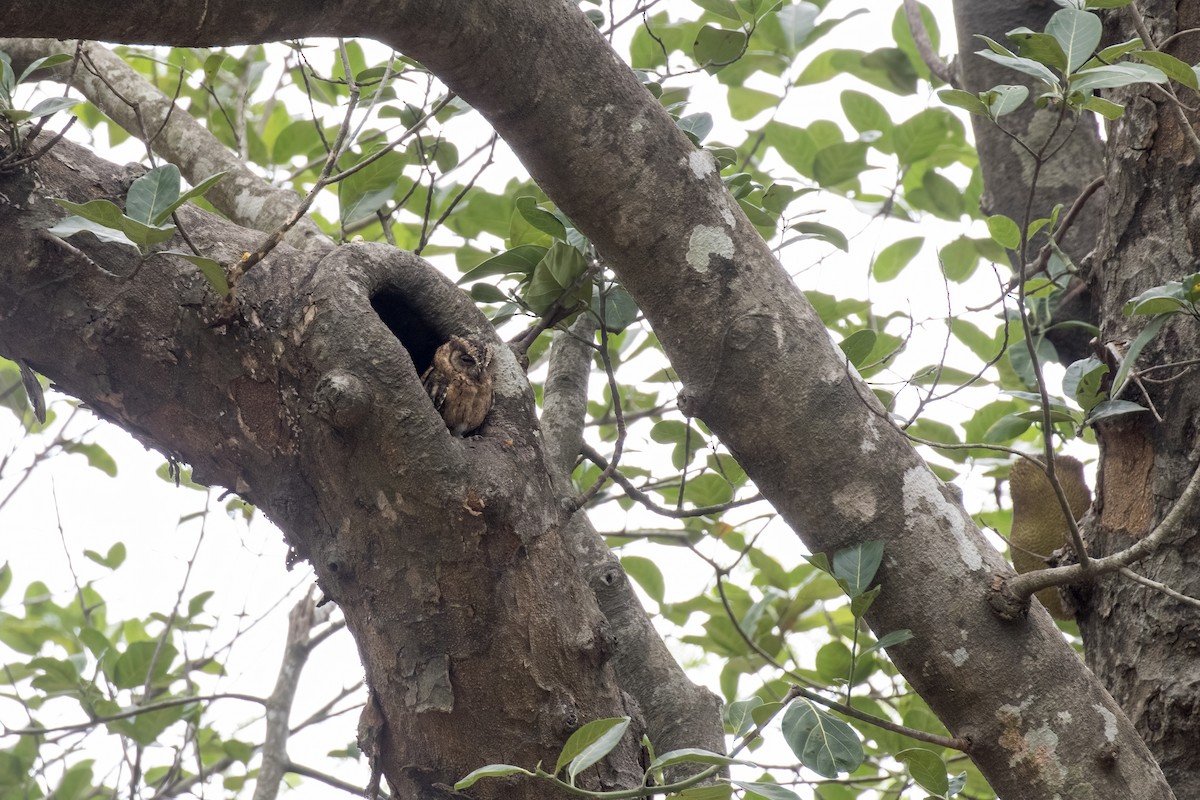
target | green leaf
x=1105, y=108
x=105, y=214
x=889, y=640
x=720, y=792
x=146, y=727
x=132, y=666
x=1171, y=66
x=196, y=604
x=1112, y=76
x=1144, y=337
x=487, y=293
x=364, y=192
x=153, y=192
x=797, y=23
x=559, y=270
x=1165, y=299
x=865, y=113
x=709, y=489
x=521, y=260
x=1004, y=231
x=717, y=47
x=114, y=559
x=76, y=782
x=589, y=744
x=620, y=310
x=858, y=345
x=768, y=791
x=1004, y=99
x=1078, y=33
x=745, y=104
x=445, y=156
x=55, y=675
x=1112, y=408
x=69, y=226
x=212, y=271
x=199, y=190
x=895, y=257
x=1041, y=47
x=1004, y=56
x=823, y=743
x=722, y=8
x=856, y=566
x=490, y=771
x=833, y=662
x=691, y=755
x=541, y=219
x=839, y=162
x=920, y=136
x=46, y=62
x=696, y=126
x=51, y=105
x=888, y=68
x=97, y=457
x=860, y=604
x=795, y=146
x=826, y=233
x=959, y=259
x=944, y=198
x=647, y=574
x=738, y=714
x=6, y=576
x=964, y=100
x=820, y=561
x=1006, y=429
x=1082, y=382
x=926, y=767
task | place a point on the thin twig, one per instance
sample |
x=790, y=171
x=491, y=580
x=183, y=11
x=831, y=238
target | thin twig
x=591, y=454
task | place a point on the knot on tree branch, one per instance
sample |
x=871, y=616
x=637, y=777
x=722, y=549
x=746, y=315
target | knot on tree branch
x=1004, y=602
x=341, y=399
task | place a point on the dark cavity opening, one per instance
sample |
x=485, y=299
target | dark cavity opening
x=409, y=327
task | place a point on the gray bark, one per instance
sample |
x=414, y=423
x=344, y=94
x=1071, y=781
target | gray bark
x=1140, y=642
x=1075, y=154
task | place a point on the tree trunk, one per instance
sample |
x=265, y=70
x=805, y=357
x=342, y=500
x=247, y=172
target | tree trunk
x=807, y=431
x=1075, y=158
x=1142, y=643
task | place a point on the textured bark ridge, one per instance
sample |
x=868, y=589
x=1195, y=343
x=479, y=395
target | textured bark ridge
x=1143, y=643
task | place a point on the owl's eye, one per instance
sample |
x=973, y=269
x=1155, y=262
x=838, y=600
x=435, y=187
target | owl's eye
x=468, y=360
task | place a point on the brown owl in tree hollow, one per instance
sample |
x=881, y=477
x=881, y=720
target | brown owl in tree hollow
x=459, y=381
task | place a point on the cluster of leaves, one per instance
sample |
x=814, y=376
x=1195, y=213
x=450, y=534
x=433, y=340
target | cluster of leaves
x=124, y=676
x=16, y=119
x=150, y=202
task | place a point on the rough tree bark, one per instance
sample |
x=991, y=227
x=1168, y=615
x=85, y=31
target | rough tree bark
x=808, y=433
x=1142, y=643
x=1075, y=157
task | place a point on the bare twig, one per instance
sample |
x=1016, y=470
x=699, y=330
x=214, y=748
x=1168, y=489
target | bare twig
x=591, y=454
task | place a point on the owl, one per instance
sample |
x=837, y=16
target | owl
x=459, y=381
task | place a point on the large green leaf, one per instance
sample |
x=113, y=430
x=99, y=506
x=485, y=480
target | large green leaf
x=823, y=743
